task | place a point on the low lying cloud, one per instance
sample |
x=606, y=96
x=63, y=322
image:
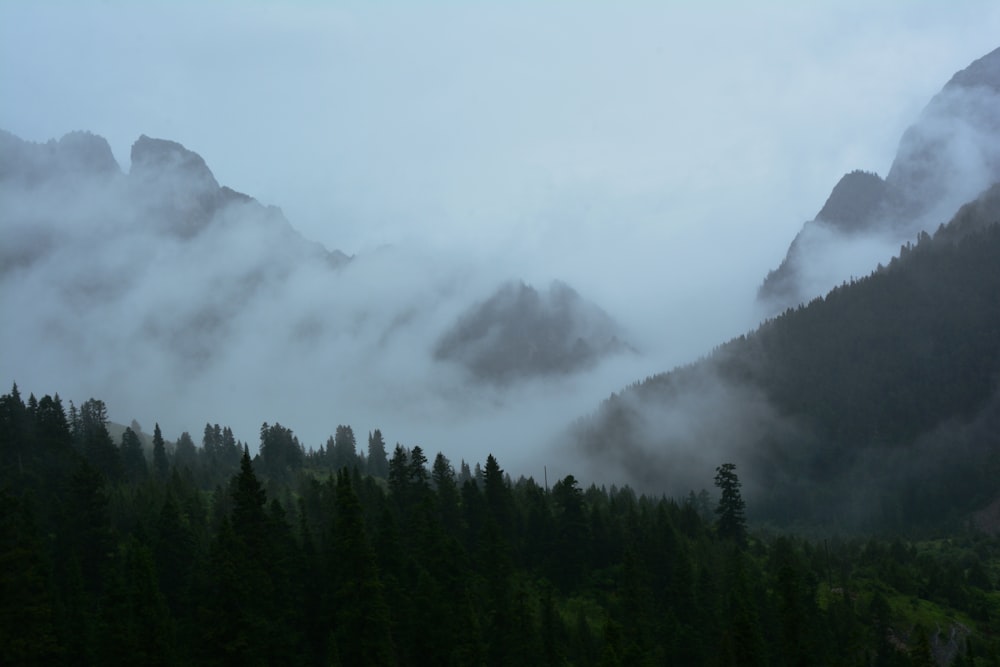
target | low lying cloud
x=623, y=150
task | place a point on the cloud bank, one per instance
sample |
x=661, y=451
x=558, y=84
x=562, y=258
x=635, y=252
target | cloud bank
x=656, y=159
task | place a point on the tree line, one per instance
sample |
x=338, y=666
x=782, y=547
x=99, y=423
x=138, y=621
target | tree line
x=121, y=553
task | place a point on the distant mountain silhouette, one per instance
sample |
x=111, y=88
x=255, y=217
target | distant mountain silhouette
x=949, y=156
x=520, y=332
x=209, y=255
x=169, y=187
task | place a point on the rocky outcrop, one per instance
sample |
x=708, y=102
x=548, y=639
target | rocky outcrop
x=76, y=156
x=949, y=156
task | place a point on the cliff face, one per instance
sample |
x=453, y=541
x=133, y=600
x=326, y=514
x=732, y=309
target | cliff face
x=949, y=156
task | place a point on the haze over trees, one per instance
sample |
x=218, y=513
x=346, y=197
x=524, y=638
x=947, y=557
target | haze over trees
x=301, y=563
x=864, y=425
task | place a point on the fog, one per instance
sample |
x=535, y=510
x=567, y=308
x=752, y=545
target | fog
x=658, y=159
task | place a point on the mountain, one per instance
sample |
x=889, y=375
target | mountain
x=76, y=155
x=520, y=332
x=876, y=405
x=160, y=286
x=949, y=156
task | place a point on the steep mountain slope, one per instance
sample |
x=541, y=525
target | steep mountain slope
x=877, y=404
x=946, y=158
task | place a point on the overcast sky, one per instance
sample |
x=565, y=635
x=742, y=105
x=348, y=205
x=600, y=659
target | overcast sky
x=367, y=122
x=659, y=157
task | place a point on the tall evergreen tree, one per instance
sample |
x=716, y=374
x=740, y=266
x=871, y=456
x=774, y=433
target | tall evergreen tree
x=344, y=452
x=160, y=464
x=249, y=499
x=133, y=458
x=98, y=448
x=280, y=451
x=378, y=461
x=399, y=475
x=731, y=508
x=185, y=453
x=362, y=628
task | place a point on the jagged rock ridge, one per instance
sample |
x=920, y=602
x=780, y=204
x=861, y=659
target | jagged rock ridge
x=949, y=156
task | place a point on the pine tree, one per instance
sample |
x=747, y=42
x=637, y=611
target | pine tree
x=98, y=448
x=449, y=500
x=133, y=458
x=571, y=533
x=344, y=452
x=249, y=500
x=185, y=453
x=280, y=451
x=417, y=472
x=399, y=476
x=160, y=464
x=378, y=461
x=362, y=627
x=731, y=508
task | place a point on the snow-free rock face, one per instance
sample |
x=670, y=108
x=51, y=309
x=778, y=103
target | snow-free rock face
x=162, y=158
x=855, y=197
x=946, y=158
x=175, y=185
x=520, y=332
x=77, y=155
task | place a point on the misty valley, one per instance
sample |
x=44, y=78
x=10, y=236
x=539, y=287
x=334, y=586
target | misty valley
x=534, y=488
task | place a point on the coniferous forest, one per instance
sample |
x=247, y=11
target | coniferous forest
x=122, y=551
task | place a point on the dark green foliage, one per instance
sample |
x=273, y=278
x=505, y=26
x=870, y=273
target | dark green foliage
x=361, y=625
x=133, y=458
x=732, y=523
x=27, y=605
x=185, y=454
x=160, y=464
x=342, y=449
x=136, y=621
x=886, y=388
x=280, y=451
x=95, y=441
x=426, y=567
x=378, y=461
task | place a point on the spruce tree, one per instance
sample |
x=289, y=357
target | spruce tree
x=731, y=508
x=378, y=461
x=133, y=458
x=362, y=627
x=160, y=464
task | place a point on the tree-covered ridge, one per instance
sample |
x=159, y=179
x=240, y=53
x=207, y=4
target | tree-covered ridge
x=880, y=400
x=110, y=558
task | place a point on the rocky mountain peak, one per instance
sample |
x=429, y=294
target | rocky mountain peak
x=947, y=157
x=982, y=72
x=853, y=200
x=86, y=152
x=169, y=158
x=77, y=155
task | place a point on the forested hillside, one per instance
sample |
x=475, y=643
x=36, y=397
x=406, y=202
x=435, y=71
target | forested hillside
x=875, y=406
x=115, y=555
